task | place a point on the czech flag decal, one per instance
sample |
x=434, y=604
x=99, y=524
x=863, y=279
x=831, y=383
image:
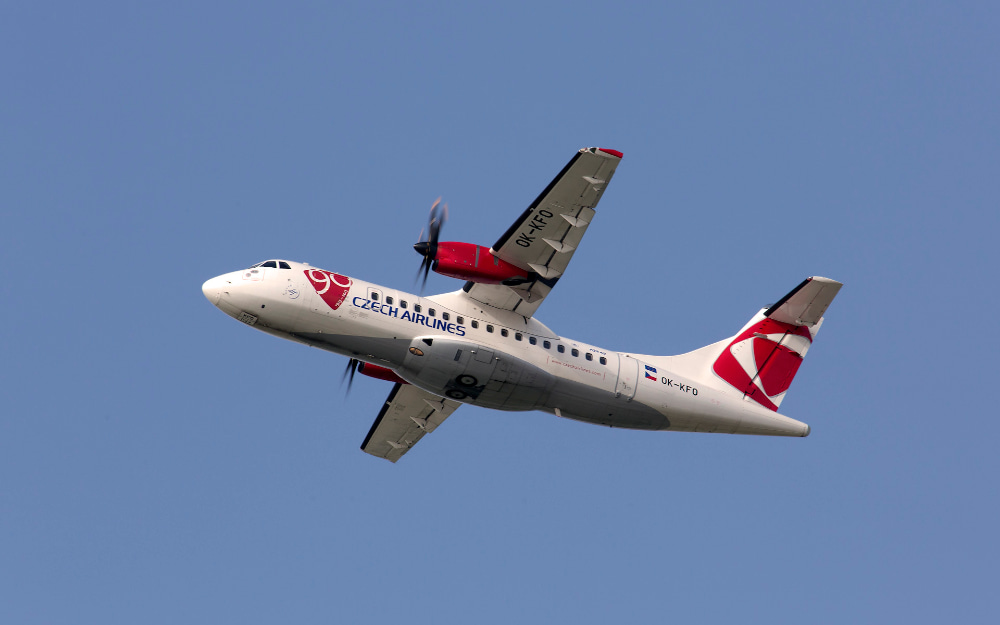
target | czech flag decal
x=650, y=373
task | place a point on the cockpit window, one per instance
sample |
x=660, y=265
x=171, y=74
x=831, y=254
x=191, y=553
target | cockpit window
x=270, y=264
x=283, y=265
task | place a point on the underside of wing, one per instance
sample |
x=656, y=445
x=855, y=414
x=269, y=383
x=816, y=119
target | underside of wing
x=407, y=415
x=542, y=241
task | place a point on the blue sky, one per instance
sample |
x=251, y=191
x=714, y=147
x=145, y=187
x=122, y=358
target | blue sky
x=161, y=463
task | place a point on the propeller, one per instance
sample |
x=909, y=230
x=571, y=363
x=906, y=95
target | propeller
x=352, y=366
x=428, y=247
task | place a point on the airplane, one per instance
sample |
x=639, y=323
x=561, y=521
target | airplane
x=482, y=344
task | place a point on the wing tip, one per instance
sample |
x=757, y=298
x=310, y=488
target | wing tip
x=615, y=153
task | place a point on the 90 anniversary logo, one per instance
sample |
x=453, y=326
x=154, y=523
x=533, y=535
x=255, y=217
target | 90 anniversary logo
x=332, y=287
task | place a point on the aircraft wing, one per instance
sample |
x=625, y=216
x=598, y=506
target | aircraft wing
x=543, y=239
x=407, y=415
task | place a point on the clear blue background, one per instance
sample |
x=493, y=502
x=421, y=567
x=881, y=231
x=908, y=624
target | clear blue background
x=161, y=463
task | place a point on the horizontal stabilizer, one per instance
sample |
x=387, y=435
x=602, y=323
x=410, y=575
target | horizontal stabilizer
x=805, y=305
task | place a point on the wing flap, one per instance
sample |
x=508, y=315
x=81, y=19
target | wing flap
x=408, y=414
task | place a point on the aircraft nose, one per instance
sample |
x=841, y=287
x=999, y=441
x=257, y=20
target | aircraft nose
x=213, y=289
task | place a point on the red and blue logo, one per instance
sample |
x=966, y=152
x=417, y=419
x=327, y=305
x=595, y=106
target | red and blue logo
x=332, y=287
x=762, y=360
x=650, y=373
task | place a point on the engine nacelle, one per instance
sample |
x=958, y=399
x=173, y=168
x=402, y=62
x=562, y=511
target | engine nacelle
x=467, y=261
x=379, y=373
x=466, y=371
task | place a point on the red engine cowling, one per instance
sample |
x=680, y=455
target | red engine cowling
x=467, y=261
x=380, y=373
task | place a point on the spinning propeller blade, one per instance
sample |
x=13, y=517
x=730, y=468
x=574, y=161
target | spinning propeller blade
x=352, y=366
x=428, y=247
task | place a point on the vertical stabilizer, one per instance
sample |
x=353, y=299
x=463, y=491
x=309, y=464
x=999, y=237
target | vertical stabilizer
x=764, y=357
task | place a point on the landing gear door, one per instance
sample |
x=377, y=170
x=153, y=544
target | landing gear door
x=483, y=355
x=628, y=376
x=480, y=367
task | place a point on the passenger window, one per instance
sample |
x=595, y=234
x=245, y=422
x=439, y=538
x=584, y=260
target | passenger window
x=402, y=303
x=374, y=297
x=388, y=300
x=270, y=264
x=561, y=349
x=503, y=331
x=532, y=340
x=461, y=320
x=589, y=356
x=416, y=308
x=431, y=312
x=445, y=316
x=475, y=324
x=546, y=344
x=604, y=360
x=517, y=336
x=489, y=328
x=283, y=265
x=575, y=352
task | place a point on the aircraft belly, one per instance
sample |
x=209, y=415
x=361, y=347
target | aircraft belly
x=386, y=350
x=583, y=402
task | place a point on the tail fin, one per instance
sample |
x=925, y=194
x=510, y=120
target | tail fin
x=763, y=358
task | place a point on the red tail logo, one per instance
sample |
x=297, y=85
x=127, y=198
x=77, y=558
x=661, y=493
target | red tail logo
x=332, y=287
x=763, y=359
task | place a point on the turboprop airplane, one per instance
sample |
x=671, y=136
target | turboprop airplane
x=482, y=345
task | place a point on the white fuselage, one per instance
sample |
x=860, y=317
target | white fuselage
x=452, y=346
